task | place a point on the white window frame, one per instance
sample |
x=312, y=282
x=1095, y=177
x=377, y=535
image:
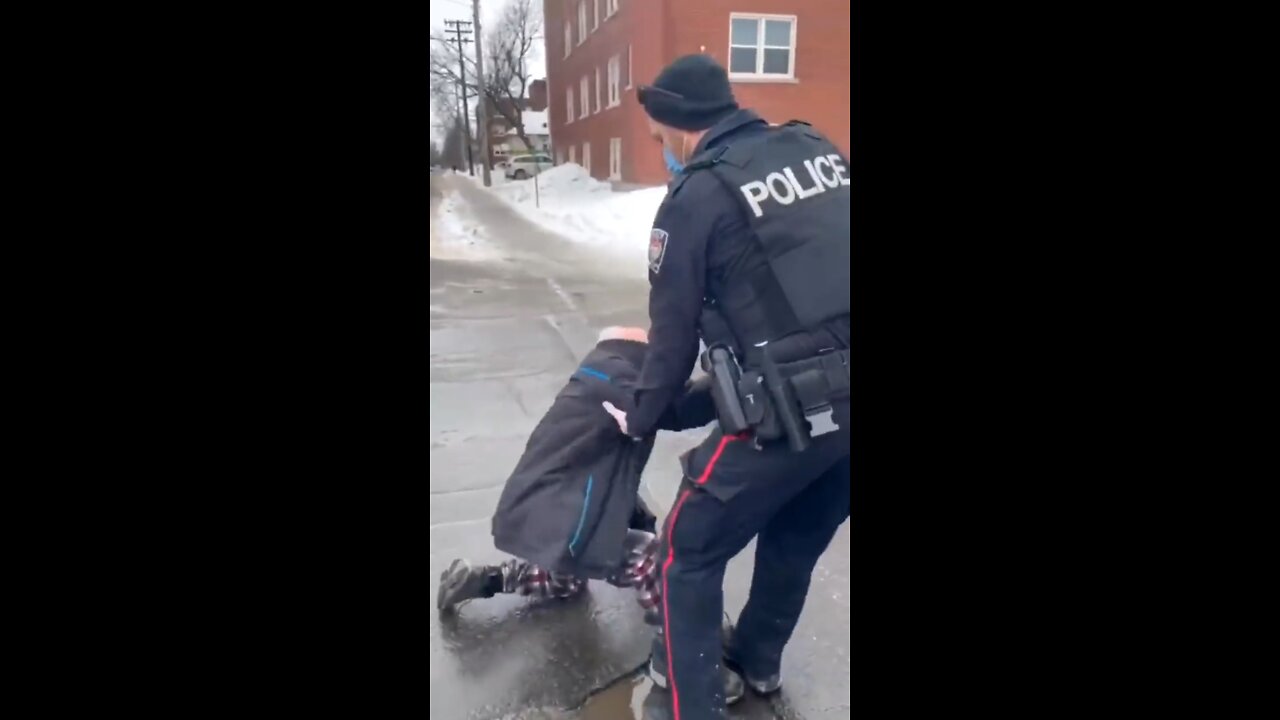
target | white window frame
x=568, y=37
x=615, y=159
x=596, y=16
x=611, y=6
x=586, y=155
x=615, y=81
x=569, y=103
x=559, y=157
x=582, y=21
x=598, y=105
x=759, y=75
x=629, y=61
x=584, y=102
x=573, y=154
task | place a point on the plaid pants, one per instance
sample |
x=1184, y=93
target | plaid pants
x=639, y=570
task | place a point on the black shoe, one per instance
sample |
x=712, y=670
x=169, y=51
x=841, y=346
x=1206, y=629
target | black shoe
x=761, y=686
x=733, y=688
x=767, y=686
x=461, y=583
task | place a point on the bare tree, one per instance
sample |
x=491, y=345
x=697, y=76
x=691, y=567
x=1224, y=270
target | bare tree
x=508, y=47
x=454, y=150
x=444, y=86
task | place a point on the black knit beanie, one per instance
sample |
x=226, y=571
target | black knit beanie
x=692, y=93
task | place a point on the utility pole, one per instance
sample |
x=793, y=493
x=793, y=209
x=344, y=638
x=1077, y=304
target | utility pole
x=458, y=32
x=482, y=113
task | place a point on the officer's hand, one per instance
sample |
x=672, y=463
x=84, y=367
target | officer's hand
x=618, y=415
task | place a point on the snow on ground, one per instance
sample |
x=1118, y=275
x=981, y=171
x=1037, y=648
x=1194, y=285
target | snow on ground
x=496, y=177
x=583, y=209
x=461, y=235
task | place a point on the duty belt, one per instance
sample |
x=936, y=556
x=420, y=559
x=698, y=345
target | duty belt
x=790, y=400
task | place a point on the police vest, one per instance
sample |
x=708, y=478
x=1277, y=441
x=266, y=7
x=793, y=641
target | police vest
x=793, y=188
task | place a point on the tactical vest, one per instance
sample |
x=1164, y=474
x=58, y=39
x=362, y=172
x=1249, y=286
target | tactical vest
x=793, y=187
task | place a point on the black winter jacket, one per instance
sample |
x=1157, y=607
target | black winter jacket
x=575, y=491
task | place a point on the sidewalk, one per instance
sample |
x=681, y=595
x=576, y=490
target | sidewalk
x=504, y=336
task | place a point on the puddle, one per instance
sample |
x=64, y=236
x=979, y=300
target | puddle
x=620, y=702
x=625, y=701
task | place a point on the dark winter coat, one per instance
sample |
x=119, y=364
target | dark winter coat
x=575, y=491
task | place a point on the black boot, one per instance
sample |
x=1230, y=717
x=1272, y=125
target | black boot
x=462, y=582
x=733, y=688
x=761, y=685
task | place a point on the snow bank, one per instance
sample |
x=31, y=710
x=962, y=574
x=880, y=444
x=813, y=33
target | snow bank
x=586, y=210
x=462, y=173
x=461, y=235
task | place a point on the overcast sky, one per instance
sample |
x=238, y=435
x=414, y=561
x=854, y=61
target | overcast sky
x=490, y=10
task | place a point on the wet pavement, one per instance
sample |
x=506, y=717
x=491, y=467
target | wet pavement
x=506, y=333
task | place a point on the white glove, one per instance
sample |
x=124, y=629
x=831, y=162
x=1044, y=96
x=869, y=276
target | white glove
x=618, y=415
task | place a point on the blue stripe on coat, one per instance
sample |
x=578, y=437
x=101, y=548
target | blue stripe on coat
x=582, y=518
x=593, y=373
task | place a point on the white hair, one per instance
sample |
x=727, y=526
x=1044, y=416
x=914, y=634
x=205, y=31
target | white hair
x=624, y=333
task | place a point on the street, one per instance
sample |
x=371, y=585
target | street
x=513, y=307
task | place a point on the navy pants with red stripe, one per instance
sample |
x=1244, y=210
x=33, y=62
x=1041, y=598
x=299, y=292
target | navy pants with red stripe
x=733, y=492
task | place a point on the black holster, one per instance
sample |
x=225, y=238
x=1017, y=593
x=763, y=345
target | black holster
x=719, y=362
x=781, y=400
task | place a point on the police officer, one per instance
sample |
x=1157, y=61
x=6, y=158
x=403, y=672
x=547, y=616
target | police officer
x=749, y=252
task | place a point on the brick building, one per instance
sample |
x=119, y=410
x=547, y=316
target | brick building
x=787, y=59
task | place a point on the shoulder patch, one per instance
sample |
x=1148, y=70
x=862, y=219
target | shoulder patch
x=657, y=248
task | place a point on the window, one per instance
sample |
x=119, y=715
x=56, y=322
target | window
x=582, y=21
x=568, y=38
x=597, y=89
x=615, y=158
x=762, y=46
x=615, y=76
x=568, y=118
x=573, y=153
x=586, y=156
x=596, y=16
x=559, y=157
x=628, y=67
x=586, y=97
x=611, y=6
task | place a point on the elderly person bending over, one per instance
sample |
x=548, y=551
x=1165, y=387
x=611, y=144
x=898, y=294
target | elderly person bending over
x=571, y=509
